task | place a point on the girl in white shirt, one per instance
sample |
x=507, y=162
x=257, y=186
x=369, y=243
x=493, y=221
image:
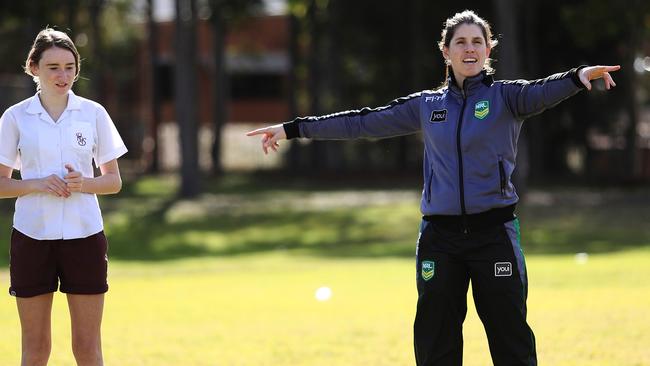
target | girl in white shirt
x=53, y=138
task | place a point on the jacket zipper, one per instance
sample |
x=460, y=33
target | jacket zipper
x=460, y=165
x=502, y=176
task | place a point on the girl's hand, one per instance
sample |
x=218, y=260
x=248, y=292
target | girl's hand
x=596, y=72
x=271, y=136
x=53, y=185
x=73, y=180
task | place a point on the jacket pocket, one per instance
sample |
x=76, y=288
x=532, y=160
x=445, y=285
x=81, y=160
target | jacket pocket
x=502, y=177
x=428, y=187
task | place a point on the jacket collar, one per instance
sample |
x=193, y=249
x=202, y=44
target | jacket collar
x=471, y=84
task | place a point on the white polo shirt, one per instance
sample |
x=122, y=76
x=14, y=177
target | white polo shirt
x=33, y=143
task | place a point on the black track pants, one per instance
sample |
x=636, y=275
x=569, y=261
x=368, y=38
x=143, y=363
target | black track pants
x=492, y=259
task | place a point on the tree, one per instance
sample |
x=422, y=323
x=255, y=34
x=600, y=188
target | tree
x=510, y=67
x=155, y=86
x=185, y=96
x=95, y=9
x=610, y=33
x=315, y=79
x=225, y=13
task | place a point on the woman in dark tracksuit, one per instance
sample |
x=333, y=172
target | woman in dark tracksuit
x=469, y=231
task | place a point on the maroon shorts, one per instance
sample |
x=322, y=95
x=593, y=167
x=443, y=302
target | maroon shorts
x=37, y=266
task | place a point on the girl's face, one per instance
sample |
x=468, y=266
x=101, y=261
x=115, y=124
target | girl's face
x=467, y=51
x=56, y=71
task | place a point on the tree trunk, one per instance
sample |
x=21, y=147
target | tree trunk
x=415, y=79
x=220, y=86
x=510, y=67
x=153, y=159
x=314, y=85
x=533, y=132
x=630, y=164
x=185, y=85
x=96, y=46
x=294, y=31
x=71, y=15
x=335, y=156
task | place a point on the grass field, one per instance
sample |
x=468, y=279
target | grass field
x=229, y=278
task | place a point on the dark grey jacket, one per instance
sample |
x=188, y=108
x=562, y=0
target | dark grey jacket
x=470, y=135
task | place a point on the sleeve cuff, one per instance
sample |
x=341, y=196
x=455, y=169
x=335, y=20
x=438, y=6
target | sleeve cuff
x=112, y=155
x=291, y=129
x=574, y=76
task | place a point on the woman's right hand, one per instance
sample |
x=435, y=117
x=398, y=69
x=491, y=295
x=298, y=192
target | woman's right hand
x=52, y=185
x=272, y=134
x=589, y=73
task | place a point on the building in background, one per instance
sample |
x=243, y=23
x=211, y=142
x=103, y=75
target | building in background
x=258, y=66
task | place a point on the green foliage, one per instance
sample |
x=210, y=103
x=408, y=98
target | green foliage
x=75, y=19
x=615, y=21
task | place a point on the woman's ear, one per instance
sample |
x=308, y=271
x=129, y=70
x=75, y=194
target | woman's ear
x=33, y=68
x=445, y=54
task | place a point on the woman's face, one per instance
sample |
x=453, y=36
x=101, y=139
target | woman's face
x=467, y=51
x=56, y=71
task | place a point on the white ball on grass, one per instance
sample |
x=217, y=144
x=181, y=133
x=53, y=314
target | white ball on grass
x=323, y=293
x=581, y=258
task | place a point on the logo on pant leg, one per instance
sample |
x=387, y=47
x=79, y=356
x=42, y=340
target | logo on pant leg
x=428, y=269
x=502, y=269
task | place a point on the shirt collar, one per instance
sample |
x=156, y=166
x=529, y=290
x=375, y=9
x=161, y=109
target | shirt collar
x=35, y=106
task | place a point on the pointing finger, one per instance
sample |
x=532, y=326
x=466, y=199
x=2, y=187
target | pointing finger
x=612, y=68
x=254, y=132
x=259, y=131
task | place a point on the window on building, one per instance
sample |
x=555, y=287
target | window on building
x=257, y=86
x=165, y=74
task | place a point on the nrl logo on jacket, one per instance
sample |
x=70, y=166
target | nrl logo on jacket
x=481, y=109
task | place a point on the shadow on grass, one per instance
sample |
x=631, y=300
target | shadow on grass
x=147, y=223
x=612, y=224
x=335, y=233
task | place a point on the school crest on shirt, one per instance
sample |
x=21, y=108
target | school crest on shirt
x=481, y=109
x=81, y=140
x=428, y=270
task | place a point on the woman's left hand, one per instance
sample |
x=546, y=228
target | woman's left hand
x=74, y=180
x=596, y=72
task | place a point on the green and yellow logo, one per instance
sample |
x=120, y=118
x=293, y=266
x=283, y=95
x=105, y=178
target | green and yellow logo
x=481, y=109
x=428, y=269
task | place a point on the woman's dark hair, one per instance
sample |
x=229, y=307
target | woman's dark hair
x=467, y=17
x=46, y=39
